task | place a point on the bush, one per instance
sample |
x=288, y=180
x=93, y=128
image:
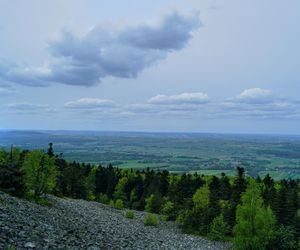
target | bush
x=151, y=220
x=90, y=196
x=129, y=214
x=111, y=203
x=119, y=204
x=163, y=218
x=103, y=198
x=43, y=201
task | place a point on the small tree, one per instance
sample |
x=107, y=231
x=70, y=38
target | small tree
x=119, y=189
x=201, y=197
x=40, y=172
x=154, y=203
x=168, y=210
x=254, y=223
x=218, y=229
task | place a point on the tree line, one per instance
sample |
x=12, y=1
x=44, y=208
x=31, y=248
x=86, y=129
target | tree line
x=253, y=213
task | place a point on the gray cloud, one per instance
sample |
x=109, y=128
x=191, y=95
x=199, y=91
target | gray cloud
x=28, y=108
x=102, y=52
x=247, y=105
x=257, y=102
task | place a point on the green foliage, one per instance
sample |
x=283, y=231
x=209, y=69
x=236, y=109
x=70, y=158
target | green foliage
x=129, y=214
x=150, y=220
x=163, y=218
x=119, y=190
x=38, y=199
x=111, y=203
x=119, y=204
x=103, y=198
x=153, y=203
x=168, y=210
x=201, y=197
x=90, y=196
x=212, y=210
x=218, y=229
x=284, y=239
x=10, y=247
x=90, y=184
x=40, y=172
x=254, y=223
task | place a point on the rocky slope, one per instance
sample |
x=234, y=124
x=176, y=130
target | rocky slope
x=78, y=224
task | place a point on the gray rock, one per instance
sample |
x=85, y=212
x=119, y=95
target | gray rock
x=78, y=224
x=29, y=245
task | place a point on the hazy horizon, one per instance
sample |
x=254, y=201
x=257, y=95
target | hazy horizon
x=148, y=132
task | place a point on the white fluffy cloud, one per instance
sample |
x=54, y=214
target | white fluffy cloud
x=184, y=98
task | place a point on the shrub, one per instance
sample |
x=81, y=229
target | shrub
x=111, y=203
x=103, y=198
x=151, y=220
x=90, y=196
x=129, y=214
x=119, y=204
x=163, y=218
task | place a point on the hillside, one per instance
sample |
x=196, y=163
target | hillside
x=79, y=224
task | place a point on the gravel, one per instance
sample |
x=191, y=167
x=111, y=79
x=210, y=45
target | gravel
x=79, y=224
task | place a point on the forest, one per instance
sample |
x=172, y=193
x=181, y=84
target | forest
x=252, y=212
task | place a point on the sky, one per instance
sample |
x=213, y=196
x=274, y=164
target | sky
x=224, y=66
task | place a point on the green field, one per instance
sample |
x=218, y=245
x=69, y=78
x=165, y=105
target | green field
x=175, y=152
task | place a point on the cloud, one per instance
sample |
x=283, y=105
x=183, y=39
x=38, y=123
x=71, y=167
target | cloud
x=180, y=99
x=104, y=52
x=28, y=108
x=6, y=90
x=90, y=103
x=255, y=96
x=259, y=103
